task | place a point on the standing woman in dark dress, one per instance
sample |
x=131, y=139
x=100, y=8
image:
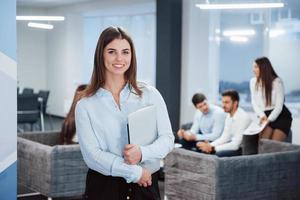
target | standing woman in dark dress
x=267, y=96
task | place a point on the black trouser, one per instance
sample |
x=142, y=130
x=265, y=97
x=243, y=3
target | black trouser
x=229, y=153
x=191, y=145
x=100, y=187
x=250, y=144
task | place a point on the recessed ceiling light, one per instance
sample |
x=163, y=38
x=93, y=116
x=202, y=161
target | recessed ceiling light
x=241, y=39
x=39, y=25
x=239, y=6
x=276, y=32
x=239, y=32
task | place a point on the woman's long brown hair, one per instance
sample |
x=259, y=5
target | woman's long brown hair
x=266, y=76
x=68, y=129
x=98, y=76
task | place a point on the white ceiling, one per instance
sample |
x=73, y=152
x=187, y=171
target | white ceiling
x=49, y=3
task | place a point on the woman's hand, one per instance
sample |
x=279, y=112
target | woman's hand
x=189, y=136
x=146, y=179
x=132, y=154
x=204, y=147
x=201, y=144
x=263, y=120
x=180, y=133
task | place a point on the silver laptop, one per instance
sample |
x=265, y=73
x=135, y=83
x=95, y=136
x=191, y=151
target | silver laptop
x=142, y=128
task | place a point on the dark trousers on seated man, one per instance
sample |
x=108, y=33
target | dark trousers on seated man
x=191, y=145
x=229, y=153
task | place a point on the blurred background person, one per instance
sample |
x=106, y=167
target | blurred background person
x=237, y=121
x=208, y=123
x=267, y=97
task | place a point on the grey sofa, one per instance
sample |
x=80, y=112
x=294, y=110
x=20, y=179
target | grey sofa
x=274, y=174
x=50, y=169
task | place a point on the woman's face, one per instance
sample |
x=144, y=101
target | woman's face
x=117, y=57
x=256, y=70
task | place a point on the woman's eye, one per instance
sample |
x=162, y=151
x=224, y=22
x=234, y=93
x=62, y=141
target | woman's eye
x=110, y=52
x=126, y=52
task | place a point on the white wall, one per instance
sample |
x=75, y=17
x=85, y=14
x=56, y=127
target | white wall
x=289, y=63
x=31, y=53
x=65, y=49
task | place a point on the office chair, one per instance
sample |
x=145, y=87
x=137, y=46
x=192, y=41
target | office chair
x=28, y=109
x=28, y=91
x=43, y=96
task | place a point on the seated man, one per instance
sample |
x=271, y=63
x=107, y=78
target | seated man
x=236, y=123
x=207, y=125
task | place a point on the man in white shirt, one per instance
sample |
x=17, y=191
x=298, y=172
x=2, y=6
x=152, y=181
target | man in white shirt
x=208, y=123
x=237, y=121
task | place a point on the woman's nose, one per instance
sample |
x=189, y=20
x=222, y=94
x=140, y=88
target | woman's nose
x=119, y=56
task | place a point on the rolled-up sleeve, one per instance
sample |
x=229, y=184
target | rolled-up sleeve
x=104, y=162
x=165, y=141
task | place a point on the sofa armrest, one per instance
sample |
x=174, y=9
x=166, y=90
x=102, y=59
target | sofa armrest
x=54, y=171
x=270, y=146
x=68, y=171
x=190, y=175
x=49, y=138
x=33, y=159
x=259, y=176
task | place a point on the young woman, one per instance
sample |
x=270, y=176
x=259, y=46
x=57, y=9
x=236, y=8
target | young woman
x=267, y=96
x=68, y=130
x=101, y=124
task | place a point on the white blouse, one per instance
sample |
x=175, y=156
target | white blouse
x=258, y=99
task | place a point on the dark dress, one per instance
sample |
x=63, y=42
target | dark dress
x=283, y=121
x=100, y=187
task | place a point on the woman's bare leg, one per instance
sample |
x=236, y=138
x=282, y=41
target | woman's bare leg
x=266, y=133
x=278, y=135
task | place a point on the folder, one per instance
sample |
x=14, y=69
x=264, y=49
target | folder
x=142, y=127
x=255, y=128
